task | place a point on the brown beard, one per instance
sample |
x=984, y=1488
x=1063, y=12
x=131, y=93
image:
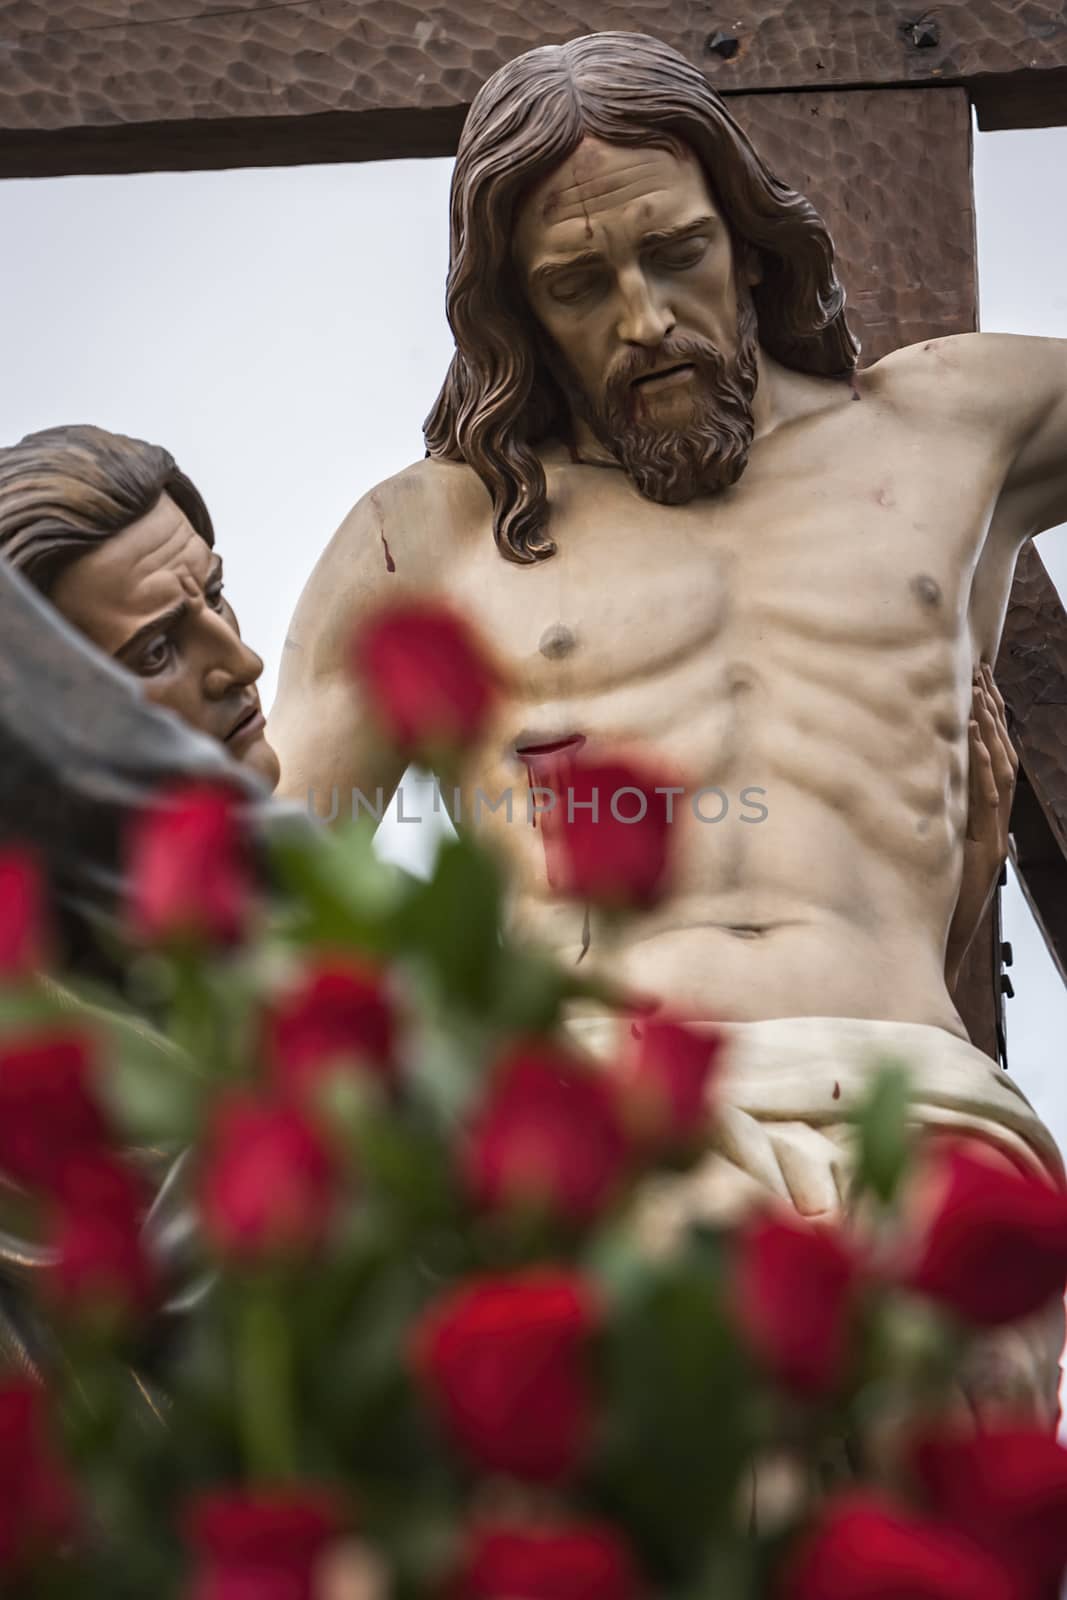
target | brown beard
x=667, y=464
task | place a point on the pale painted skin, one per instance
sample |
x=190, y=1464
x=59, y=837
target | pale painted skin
x=812, y=631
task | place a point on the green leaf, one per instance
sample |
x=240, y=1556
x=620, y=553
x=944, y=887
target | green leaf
x=529, y=991
x=885, y=1134
x=153, y=1097
x=677, y=1385
x=151, y=1086
x=358, y=1382
x=407, y=1171
x=616, y=1262
x=25, y=1007
x=345, y=894
x=449, y=1064
x=453, y=923
x=735, y=1570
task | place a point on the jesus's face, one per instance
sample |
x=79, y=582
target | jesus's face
x=628, y=266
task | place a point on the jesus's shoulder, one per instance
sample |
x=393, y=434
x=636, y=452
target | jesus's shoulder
x=429, y=507
x=406, y=525
x=962, y=379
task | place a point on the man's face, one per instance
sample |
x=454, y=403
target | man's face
x=628, y=267
x=151, y=597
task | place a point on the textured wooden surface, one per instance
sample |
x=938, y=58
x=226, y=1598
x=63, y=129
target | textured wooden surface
x=902, y=224
x=1032, y=672
x=110, y=63
x=788, y=44
x=211, y=82
x=1042, y=871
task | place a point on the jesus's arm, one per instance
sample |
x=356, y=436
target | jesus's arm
x=1032, y=377
x=1012, y=391
x=319, y=724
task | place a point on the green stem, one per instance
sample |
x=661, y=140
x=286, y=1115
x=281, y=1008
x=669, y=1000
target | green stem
x=194, y=1019
x=264, y=1382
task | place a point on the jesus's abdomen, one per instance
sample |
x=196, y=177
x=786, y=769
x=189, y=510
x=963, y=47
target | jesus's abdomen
x=816, y=844
x=800, y=663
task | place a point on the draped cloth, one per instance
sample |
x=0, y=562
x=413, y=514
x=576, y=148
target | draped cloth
x=781, y=1128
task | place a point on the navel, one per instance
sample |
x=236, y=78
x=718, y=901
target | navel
x=740, y=678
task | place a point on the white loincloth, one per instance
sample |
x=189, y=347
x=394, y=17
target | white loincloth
x=779, y=1125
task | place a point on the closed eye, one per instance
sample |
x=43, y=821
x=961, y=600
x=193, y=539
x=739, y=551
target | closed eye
x=567, y=290
x=678, y=257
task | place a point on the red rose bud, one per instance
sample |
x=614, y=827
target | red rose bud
x=189, y=870
x=260, y=1544
x=992, y=1243
x=37, y=1501
x=22, y=921
x=1005, y=1488
x=101, y=1267
x=607, y=835
x=864, y=1548
x=793, y=1291
x=667, y=1082
x=548, y=1134
x=579, y=1562
x=48, y=1111
x=504, y=1363
x=268, y=1182
x=428, y=679
x=338, y=1013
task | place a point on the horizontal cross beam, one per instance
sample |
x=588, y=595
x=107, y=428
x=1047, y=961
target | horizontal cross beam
x=139, y=85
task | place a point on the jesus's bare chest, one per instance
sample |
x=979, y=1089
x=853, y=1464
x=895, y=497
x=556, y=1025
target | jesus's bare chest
x=647, y=611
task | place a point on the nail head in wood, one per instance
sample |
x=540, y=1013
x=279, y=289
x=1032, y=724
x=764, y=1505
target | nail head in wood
x=924, y=34
x=723, y=45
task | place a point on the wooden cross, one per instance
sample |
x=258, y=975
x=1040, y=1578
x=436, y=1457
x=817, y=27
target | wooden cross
x=865, y=105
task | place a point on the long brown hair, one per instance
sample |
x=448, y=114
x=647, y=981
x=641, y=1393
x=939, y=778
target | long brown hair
x=63, y=491
x=499, y=398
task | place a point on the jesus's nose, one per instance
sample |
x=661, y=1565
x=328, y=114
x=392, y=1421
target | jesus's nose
x=645, y=319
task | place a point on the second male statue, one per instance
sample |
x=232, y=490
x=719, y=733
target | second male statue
x=686, y=523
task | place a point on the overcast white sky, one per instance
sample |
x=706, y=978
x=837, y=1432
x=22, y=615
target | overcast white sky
x=282, y=332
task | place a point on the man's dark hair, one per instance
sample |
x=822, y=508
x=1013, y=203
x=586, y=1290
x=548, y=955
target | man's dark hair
x=499, y=398
x=64, y=491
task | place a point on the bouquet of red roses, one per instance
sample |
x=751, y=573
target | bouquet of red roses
x=333, y=1283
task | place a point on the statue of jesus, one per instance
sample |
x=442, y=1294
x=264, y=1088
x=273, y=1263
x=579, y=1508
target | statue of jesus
x=660, y=487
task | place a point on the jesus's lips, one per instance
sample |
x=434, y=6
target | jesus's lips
x=665, y=377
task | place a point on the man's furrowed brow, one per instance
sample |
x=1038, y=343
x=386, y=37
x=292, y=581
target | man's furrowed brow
x=161, y=624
